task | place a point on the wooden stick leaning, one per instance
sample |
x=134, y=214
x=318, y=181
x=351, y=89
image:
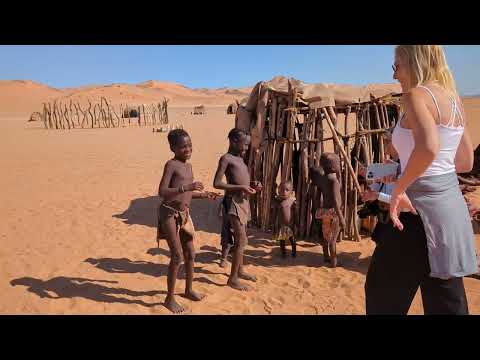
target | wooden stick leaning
x=342, y=151
x=346, y=233
x=379, y=122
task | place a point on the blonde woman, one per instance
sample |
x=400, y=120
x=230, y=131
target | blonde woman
x=430, y=243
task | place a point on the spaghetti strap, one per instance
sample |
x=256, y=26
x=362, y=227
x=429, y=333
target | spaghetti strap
x=434, y=100
x=451, y=122
x=456, y=110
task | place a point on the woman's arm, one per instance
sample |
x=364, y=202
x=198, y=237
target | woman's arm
x=426, y=139
x=464, y=156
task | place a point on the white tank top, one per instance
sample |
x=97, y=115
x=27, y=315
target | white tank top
x=449, y=136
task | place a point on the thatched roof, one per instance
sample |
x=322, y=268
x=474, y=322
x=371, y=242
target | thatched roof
x=312, y=95
x=325, y=94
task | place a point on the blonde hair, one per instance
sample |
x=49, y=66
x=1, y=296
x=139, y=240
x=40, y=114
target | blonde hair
x=427, y=63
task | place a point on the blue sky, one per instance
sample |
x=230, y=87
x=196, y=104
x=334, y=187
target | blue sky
x=216, y=66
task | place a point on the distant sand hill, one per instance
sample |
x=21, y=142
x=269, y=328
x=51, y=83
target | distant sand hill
x=19, y=98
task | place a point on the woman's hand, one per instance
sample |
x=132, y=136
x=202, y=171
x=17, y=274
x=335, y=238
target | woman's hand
x=400, y=202
x=369, y=195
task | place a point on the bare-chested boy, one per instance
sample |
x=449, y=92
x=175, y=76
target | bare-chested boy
x=285, y=215
x=174, y=222
x=330, y=214
x=226, y=235
x=236, y=201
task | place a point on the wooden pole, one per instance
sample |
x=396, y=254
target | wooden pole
x=379, y=122
x=166, y=111
x=369, y=136
x=303, y=173
x=333, y=119
x=90, y=112
x=65, y=114
x=50, y=122
x=342, y=151
x=57, y=113
x=291, y=115
x=115, y=113
x=385, y=116
x=355, y=215
x=360, y=145
x=44, y=117
x=54, y=115
x=346, y=177
x=270, y=156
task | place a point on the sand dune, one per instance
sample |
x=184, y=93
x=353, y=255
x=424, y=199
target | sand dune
x=24, y=96
x=78, y=220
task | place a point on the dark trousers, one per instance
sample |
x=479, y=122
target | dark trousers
x=399, y=266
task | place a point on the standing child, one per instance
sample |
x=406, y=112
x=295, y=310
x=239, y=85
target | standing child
x=285, y=215
x=226, y=235
x=330, y=213
x=174, y=222
x=236, y=201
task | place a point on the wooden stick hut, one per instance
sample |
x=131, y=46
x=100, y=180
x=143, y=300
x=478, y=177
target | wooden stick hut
x=289, y=134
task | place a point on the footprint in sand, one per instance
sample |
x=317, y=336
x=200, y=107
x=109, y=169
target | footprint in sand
x=310, y=310
x=267, y=308
x=277, y=301
x=288, y=284
x=265, y=280
x=304, y=283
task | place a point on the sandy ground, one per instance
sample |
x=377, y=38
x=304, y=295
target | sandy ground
x=78, y=231
x=78, y=228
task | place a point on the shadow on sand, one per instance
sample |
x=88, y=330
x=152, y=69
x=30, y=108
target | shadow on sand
x=143, y=211
x=65, y=287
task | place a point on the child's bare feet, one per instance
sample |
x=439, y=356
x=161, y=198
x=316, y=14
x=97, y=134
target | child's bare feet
x=223, y=263
x=246, y=276
x=235, y=284
x=173, y=306
x=192, y=295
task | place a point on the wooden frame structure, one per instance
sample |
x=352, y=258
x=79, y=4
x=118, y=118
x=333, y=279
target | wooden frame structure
x=70, y=115
x=294, y=137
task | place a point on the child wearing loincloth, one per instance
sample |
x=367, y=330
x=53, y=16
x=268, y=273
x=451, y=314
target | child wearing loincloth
x=176, y=190
x=285, y=215
x=330, y=213
x=236, y=202
x=226, y=236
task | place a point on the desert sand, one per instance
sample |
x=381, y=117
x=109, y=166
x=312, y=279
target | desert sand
x=78, y=217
